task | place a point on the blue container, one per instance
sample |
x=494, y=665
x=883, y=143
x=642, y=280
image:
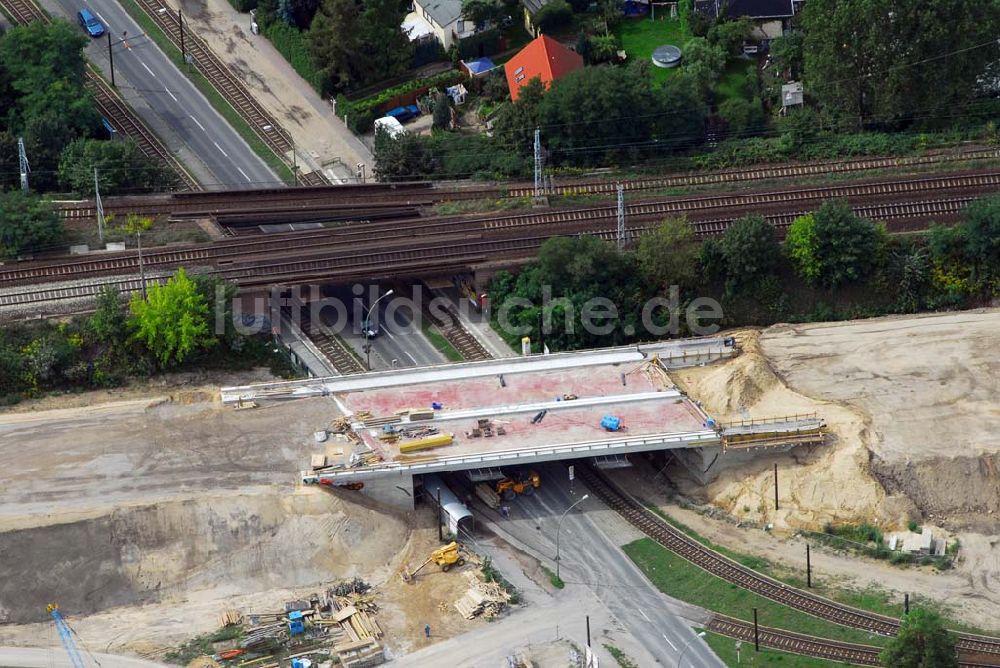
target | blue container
x=611, y=423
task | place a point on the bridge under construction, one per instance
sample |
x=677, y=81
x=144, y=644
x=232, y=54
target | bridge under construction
x=481, y=417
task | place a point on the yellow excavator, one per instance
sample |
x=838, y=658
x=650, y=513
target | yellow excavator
x=518, y=483
x=445, y=557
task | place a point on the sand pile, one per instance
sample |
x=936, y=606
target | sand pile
x=816, y=485
x=215, y=546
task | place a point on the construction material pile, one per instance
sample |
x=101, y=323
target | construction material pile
x=340, y=622
x=481, y=598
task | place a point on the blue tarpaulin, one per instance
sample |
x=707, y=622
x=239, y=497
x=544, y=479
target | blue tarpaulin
x=479, y=66
x=611, y=423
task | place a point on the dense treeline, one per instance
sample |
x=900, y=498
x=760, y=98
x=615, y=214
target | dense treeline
x=174, y=327
x=44, y=101
x=832, y=265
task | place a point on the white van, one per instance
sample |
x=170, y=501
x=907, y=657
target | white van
x=390, y=125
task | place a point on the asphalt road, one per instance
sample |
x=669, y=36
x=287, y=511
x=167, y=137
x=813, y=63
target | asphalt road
x=399, y=338
x=56, y=657
x=171, y=100
x=591, y=558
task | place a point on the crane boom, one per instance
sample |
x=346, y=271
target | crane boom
x=66, y=636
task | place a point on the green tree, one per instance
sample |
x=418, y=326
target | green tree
x=729, y=35
x=801, y=247
x=876, y=62
x=515, y=123
x=981, y=233
x=442, y=112
x=403, y=158
x=742, y=116
x=749, y=250
x=122, y=168
x=108, y=323
x=28, y=224
x=669, y=255
x=554, y=15
x=482, y=11
x=172, y=321
x=604, y=48
x=847, y=246
x=787, y=53
x=922, y=642
x=704, y=62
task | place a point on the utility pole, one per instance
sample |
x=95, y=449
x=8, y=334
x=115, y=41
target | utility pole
x=22, y=158
x=588, y=630
x=756, y=632
x=809, y=575
x=621, y=216
x=111, y=57
x=538, y=163
x=906, y=604
x=100, y=208
x=775, y=485
x=142, y=270
x=180, y=23
x=440, y=535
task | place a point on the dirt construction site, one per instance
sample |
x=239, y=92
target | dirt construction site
x=148, y=514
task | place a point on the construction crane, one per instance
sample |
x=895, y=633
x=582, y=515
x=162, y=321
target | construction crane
x=66, y=636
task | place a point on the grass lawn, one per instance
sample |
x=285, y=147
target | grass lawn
x=438, y=341
x=731, y=84
x=725, y=648
x=640, y=36
x=676, y=577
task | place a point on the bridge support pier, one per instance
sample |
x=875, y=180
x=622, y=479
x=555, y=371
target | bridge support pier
x=395, y=490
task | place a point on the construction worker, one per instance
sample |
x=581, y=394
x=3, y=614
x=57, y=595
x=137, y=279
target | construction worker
x=427, y=630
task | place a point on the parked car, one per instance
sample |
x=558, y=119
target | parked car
x=390, y=125
x=90, y=23
x=405, y=113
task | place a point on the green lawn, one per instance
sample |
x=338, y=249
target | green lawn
x=678, y=578
x=725, y=648
x=639, y=36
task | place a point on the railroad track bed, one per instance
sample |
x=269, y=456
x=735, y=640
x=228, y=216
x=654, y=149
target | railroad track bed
x=716, y=564
x=349, y=243
x=448, y=323
x=340, y=356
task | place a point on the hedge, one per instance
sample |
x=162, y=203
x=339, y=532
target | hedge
x=485, y=43
x=361, y=114
x=291, y=43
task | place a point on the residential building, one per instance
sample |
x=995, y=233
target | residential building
x=532, y=7
x=543, y=58
x=445, y=19
x=770, y=17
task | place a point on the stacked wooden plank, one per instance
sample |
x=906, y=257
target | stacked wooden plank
x=481, y=598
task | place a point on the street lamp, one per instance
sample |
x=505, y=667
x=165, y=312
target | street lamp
x=368, y=328
x=559, y=527
x=701, y=634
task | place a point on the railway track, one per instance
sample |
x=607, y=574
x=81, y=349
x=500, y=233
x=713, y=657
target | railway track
x=451, y=242
x=448, y=323
x=426, y=193
x=339, y=355
x=759, y=173
x=716, y=564
x=229, y=86
x=108, y=102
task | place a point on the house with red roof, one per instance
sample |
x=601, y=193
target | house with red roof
x=543, y=58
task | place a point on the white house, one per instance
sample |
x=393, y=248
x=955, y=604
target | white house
x=444, y=18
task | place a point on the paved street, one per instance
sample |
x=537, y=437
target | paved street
x=168, y=102
x=592, y=558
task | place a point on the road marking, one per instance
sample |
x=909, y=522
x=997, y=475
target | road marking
x=220, y=148
x=197, y=123
x=643, y=613
x=107, y=25
x=170, y=94
x=244, y=175
x=668, y=641
x=411, y=357
x=147, y=69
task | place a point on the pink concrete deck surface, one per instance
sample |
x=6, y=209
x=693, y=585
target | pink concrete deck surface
x=522, y=388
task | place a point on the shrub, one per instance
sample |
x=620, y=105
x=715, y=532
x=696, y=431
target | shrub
x=291, y=44
x=553, y=15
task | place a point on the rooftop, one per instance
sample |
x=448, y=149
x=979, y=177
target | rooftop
x=443, y=12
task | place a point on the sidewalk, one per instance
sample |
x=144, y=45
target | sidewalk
x=321, y=139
